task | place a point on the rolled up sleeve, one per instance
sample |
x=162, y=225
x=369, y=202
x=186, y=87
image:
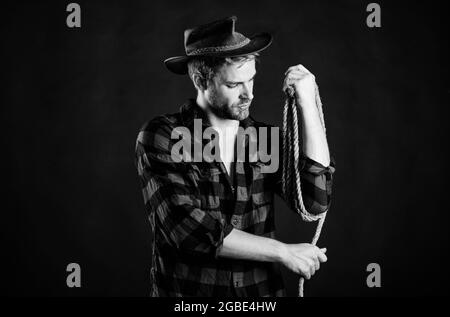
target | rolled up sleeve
x=316, y=183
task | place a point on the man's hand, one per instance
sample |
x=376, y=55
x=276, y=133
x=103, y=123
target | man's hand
x=302, y=258
x=304, y=84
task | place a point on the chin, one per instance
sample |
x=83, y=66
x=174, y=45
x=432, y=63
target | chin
x=241, y=115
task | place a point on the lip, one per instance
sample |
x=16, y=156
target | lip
x=246, y=106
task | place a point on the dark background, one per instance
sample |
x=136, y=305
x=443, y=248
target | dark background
x=74, y=99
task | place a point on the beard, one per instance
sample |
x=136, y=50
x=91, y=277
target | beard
x=233, y=112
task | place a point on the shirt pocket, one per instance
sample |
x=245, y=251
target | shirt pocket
x=262, y=193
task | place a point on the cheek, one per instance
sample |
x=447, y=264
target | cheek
x=231, y=96
x=227, y=96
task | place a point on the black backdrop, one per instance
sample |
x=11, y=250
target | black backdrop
x=74, y=99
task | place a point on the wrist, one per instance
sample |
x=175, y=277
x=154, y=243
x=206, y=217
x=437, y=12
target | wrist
x=281, y=251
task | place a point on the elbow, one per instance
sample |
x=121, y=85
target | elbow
x=317, y=199
x=202, y=242
x=317, y=209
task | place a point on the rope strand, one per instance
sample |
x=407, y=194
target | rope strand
x=291, y=160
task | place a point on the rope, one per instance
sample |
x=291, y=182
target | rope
x=291, y=186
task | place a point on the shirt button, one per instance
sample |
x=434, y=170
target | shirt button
x=232, y=188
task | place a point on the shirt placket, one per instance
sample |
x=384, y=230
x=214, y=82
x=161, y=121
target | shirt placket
x=237, y=274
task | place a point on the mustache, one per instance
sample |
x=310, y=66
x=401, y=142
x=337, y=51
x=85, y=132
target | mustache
x=242, y=103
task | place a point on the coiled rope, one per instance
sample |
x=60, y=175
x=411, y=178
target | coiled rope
x=291, y=186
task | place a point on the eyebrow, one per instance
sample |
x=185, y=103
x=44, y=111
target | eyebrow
x=239, y=82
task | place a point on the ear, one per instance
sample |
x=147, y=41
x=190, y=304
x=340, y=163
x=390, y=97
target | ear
x=199, y=82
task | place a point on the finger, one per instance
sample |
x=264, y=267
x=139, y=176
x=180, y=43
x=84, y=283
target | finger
x=297, y=76
x=291, y=79
x=307, y=273
x=297, y=67
x=305, y=70
x=291, y=68
x=287, y=84
x=296, y=72
x=321, y=256
x=315, y=259
x=301, y=67
x=288, y=89
x=312, y=269
x=304, y=270
x=312, y=266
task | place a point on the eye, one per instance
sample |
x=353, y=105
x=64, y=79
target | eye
x=232, y=85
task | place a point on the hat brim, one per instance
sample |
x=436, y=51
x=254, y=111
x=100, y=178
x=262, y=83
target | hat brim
x=258, y=42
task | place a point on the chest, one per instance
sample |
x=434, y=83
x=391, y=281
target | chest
x=227, y=151
x=245, y=203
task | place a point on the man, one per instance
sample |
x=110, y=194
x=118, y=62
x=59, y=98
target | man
x=213, y=220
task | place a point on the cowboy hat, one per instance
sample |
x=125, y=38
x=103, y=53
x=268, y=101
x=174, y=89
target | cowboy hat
x=217, y=39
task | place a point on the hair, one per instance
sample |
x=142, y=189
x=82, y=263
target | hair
x=207, y=66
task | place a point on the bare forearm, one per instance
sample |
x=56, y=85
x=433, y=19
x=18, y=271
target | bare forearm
x=301, y=258
x=242, y=245
x=315, y=144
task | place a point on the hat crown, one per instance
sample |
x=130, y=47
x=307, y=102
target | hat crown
x=213, y=37
x=218, y=39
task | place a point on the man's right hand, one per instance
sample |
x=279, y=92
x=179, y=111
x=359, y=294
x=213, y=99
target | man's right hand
x=302, y=258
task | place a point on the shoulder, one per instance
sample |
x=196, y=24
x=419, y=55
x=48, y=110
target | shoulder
x=155, y=142
x=161, y=123
x=157, y=131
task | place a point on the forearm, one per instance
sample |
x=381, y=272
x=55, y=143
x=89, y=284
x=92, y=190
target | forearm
x=242, y=245
x=315, y=144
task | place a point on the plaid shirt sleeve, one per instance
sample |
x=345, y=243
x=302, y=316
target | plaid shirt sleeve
x=170, y=192
x=316, y=183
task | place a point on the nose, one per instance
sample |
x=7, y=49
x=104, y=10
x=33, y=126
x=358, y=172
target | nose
x=247, y=91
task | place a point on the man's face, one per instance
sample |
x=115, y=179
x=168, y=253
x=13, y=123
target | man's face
x=230, y=92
